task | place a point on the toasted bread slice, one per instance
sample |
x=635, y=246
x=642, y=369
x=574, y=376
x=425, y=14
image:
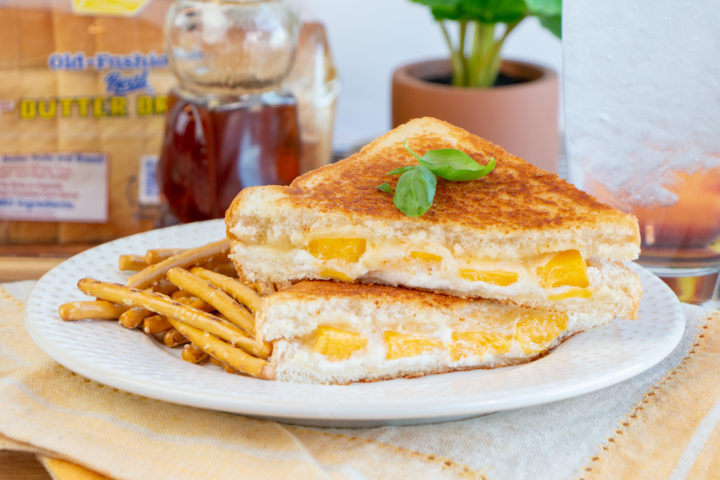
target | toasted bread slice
x=332, y=332
x=333, y=223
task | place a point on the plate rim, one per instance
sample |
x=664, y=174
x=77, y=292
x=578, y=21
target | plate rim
x=423, y=409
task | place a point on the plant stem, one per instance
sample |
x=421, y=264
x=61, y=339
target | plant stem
x=474, y=58
x=461, y=50
x=456, y=57
x=494, y=57
x=480, y=59
x=487, y=55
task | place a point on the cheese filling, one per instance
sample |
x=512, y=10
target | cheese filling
x=527, y=335
x=559, y=275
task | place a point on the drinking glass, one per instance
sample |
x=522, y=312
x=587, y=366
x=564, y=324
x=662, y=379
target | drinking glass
x=642, y=127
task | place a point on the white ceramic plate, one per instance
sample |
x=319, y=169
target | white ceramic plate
x=129, y=360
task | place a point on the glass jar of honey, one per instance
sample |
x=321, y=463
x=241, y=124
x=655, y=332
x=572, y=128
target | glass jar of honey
x=229, y=123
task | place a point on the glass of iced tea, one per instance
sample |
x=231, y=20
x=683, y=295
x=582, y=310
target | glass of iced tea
x=642, y=126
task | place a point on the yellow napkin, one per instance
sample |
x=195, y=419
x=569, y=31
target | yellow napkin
x=126, y=436
x=674, y=431
x=660, y=424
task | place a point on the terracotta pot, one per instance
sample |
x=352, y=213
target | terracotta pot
x=522, y=117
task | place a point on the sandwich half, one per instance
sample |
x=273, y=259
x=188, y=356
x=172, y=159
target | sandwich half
x=337, y=333
x=519, y=234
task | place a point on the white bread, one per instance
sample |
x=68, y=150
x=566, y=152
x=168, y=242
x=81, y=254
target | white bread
x=291, y=317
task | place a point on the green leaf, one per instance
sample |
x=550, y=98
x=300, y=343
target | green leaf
x=415, y=191
x=554, y=24
x=455, y=165
x=384, y=187
x=447, y=13
x=442, y=9
x=493, y=11
x=398, y=171
x=548, y=8
x=498, y=11
x=438, y=3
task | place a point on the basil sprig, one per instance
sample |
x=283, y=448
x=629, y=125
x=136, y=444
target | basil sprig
x=415, y=189
x=452, y=164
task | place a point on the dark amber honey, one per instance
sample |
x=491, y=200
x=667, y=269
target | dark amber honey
x=212, y=149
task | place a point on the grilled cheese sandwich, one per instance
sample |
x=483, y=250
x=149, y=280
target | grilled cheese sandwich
x=519, y=234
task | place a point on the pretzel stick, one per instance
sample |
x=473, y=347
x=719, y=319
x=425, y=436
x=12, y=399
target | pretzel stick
x=227, y=269
x=264, y=288
x=173, y=338
x=204, y=290
x=133, y=317
x=193, y=354
x=164, y=286
x=131, y=262
x=242, y=293
x=99, y=309
x=153, y=273
x=155, y=324
x=157, y=255
x=186, y=298
x=234, y=357
x=171, y=309
x=224, y=365
x=228, y=368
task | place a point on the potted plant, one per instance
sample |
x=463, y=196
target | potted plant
x=514, y=104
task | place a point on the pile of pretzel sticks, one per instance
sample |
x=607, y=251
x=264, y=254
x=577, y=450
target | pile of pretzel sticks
x=185, y=297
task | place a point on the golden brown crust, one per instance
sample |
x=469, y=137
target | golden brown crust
x=378, y=294
x=515, y=196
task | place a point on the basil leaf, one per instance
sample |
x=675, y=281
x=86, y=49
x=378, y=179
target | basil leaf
x=415, y=191
x=398, y=171
x=384, y=187
x=454, y=165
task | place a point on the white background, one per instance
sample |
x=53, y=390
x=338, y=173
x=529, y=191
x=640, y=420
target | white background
x=370, y=38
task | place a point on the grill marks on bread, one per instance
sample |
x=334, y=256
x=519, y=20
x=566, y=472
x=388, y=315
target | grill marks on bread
x=516, y=195
x=380, y=294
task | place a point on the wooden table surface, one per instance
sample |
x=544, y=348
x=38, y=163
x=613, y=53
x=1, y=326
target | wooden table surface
x=25, y=268
x=30, y=262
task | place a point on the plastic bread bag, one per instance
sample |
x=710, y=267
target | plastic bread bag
x=83, y=88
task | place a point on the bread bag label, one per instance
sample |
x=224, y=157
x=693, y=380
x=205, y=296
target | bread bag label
x=120, y=76
x=54, y=186
x=148, y=191
x=125, y=8
x=92, y=79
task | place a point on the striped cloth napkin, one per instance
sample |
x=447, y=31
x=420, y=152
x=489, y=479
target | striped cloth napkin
x=661, y=424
